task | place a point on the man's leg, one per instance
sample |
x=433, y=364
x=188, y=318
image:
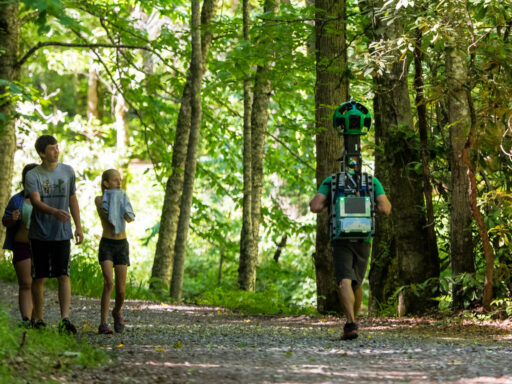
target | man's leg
x=358, y=295
x=348, y=299
x=38, y=297
x=64, y=295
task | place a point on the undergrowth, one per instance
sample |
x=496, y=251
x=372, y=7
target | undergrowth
x=34, y=356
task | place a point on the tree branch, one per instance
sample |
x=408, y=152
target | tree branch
x=42, y=44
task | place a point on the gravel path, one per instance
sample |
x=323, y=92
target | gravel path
x=188, y=344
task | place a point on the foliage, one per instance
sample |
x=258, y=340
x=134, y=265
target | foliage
x=38, y=354
x=144, y=56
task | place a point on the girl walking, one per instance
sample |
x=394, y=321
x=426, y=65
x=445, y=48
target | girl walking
x=114, y=209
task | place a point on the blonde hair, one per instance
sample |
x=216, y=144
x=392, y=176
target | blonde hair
x=106, y=177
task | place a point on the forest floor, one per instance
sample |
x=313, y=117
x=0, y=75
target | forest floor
x=187, y=344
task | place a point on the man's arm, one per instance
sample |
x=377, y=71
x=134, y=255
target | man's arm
x=60, y=214
x=383, y=204
x=319, y=203
x=75, y=212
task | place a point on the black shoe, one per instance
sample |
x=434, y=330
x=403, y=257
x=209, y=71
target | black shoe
x=349, y=331
x=66, y=326
x=118, y=323
x=39, y=324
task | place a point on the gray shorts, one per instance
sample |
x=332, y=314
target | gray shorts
x=117, y=251
x=350, y=260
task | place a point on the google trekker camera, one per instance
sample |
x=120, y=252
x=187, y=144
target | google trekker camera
x=352, y=205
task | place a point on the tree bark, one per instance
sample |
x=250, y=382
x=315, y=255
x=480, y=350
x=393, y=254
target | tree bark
x=259, y=120
x=190, y=165
x=408, y=240
x=92, y=93
x=164, y=254
x=461, y=246
x=247, y=241
x=331, y=89
x=421, y=108
x=9, y=41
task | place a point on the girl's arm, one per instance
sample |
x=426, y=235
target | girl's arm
x=99, y=209
x=11, y=221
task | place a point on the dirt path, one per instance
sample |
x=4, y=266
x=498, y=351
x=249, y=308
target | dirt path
x=189, y=344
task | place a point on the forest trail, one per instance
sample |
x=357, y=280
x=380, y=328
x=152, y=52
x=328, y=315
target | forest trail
x=187, y=344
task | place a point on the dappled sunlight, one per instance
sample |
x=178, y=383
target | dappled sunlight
x=185, y=364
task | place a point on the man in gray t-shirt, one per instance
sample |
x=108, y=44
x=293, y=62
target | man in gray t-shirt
x=51, y=188
x=54, y=188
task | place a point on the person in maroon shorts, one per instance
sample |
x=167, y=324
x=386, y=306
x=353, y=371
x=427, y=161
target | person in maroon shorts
x=16, y=219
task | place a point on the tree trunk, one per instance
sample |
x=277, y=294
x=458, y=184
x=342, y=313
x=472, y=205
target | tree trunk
x=92, y=93
x=408, y=241
x=421, y=108
x=259, y=120
x=9, y=41
x=331, y=89
x=164, y=254
x=461, y=250
x=248, y=244
x=196, y=72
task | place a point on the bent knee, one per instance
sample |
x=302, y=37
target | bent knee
x=108, y=285
x=345, y=283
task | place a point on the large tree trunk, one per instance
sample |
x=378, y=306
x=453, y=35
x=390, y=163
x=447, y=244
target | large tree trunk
x=164, y=254
x=421, y=108
x=9, y=40
x=331, y=89
x=408, y=243
x=93, y=111
x=461, y=250
x=259, y=120
x=248, y=245
x=190, y=165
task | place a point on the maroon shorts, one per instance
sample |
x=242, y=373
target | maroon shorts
x=21, y=251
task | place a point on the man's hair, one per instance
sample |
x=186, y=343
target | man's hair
x=43, y=141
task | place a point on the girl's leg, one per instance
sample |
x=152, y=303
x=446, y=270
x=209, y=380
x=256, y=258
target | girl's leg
x=25, y=287
x=108, y=285
x=121, y=272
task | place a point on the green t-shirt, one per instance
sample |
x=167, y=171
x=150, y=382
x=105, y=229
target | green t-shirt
x=325, y=189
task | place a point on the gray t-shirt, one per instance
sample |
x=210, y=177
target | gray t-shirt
x=55, y=188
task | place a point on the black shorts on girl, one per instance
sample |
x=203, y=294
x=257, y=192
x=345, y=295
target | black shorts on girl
x=50, y=258
x=350, y=260
x=20, y=252
x=117, y=251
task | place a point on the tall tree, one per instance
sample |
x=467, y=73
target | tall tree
x=331, y=89
x=259, y=121
x=459, y=119
x=164, y=254
x=9, y=72
x=196, y=73
x=394, y=132
x=248, y=244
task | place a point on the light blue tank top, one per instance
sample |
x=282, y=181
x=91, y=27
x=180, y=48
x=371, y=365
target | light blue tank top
x=26, y=212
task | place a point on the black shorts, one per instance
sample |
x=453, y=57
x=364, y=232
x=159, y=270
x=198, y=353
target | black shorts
x=117, y=251
x=50, y=258
x=350, y=260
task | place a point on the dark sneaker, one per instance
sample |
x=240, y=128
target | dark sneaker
x=118, y=322
x=349, y=331
x=39, y=324
x=104, y=329
x=66, y=326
